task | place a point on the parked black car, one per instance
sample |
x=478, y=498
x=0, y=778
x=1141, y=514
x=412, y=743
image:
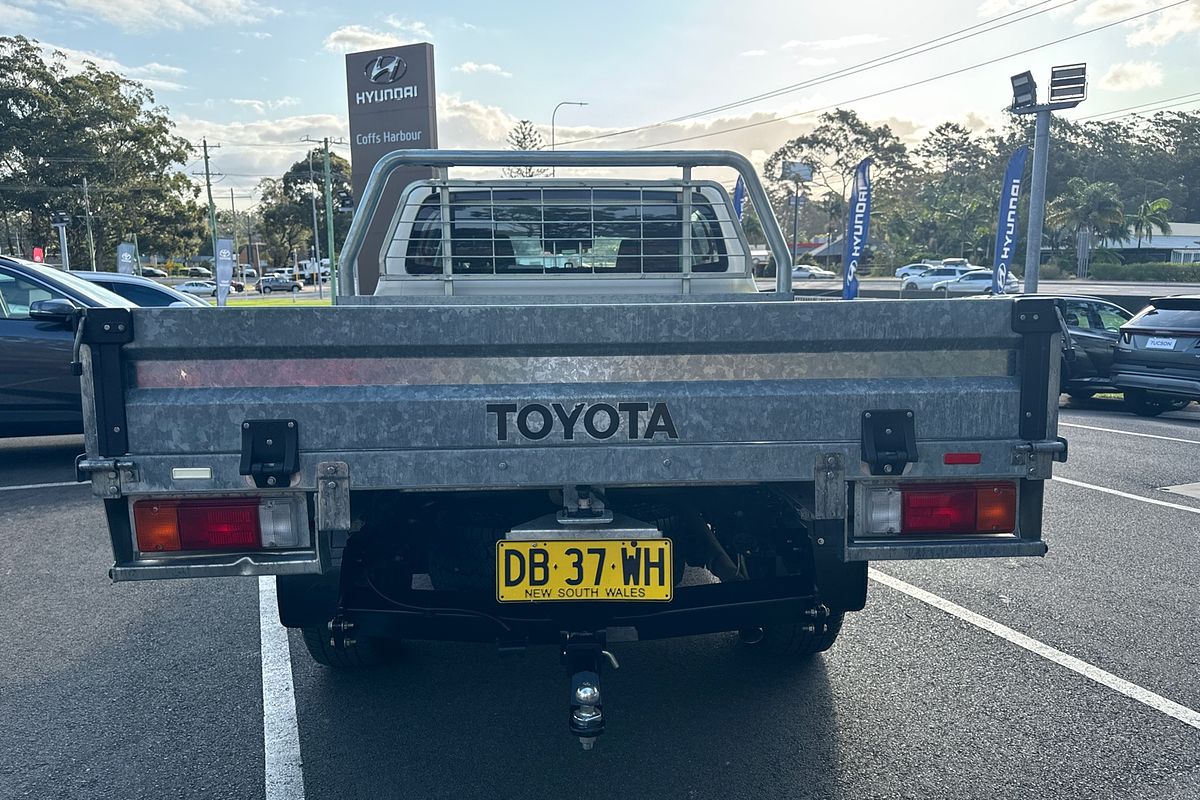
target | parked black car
x=1157, y=361
x=1093, y=326
x=38, y=394
x=1091, y=329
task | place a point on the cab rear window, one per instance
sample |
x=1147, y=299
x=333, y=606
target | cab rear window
x=514, y=231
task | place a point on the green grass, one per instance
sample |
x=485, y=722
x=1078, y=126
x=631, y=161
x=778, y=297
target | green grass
x=275, y=300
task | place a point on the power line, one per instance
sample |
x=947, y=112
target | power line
x=954, y=37
x=912, y=84
x=1141, y=105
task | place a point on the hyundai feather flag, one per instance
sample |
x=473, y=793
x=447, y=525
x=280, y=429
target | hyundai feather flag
x=858, y=225
x=739, y=197
x=1006, y=228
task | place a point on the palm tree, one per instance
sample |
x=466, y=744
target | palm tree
x=1089, y=210
x=1151, y=215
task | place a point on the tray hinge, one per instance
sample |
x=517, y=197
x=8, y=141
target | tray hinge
x=889, y=440
x=270, y=451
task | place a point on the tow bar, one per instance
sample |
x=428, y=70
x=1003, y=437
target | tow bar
x=583, y=654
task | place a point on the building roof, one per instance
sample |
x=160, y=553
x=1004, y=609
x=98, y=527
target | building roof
x=1183, y=236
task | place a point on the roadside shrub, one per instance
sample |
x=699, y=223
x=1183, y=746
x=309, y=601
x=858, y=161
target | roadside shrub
x=1053, y=271
x=1162, y=271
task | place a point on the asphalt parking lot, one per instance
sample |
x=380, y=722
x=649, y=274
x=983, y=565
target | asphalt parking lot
x=1072, y=676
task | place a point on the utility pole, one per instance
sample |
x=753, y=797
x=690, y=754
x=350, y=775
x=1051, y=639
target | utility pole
x=312, y=198
x=87, y=211
x=212, y=209
x=137, y=254
x=329, y=226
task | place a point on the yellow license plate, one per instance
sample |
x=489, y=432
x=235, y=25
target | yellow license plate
x=602, y=569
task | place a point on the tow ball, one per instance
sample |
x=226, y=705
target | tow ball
x=583, y=654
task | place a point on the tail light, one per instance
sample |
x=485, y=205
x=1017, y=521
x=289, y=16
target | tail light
x=956, y=508
x=216, y=524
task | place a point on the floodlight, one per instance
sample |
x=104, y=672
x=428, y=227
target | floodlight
x=1024, y=90
x=1068, y=83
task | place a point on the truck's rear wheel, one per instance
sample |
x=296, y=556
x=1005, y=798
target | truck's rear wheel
x=358, y=653
x=797, y=641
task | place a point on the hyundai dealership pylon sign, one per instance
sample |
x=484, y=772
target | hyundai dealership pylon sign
x=393, y=106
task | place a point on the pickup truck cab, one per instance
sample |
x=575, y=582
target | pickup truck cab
x=499, y=446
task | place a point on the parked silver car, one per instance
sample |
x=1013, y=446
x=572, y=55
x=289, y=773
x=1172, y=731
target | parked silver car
x=975, y=282
x=198, y=288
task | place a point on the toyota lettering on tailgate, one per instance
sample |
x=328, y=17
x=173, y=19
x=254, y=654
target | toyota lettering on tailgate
x=567, y=421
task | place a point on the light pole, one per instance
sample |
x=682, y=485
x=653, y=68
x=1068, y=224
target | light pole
x=553, y=114
x=1068, y=88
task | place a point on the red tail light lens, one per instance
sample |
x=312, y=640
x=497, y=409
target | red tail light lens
x=937, y=510
x=219, y=524
x=958, y=508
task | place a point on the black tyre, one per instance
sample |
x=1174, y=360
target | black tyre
x=266, y=290
x=295, y=289
x=796, y=641
x=942, y=292
x=365, y=651
x=910, y=287
x=1081, y=394
x=1144, y=405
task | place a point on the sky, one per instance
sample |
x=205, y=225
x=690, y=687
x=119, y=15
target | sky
x=251, y=73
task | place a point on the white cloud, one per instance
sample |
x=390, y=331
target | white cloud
x=138, y=16
x=413, y=28
x=153, y=74
x=470, y=67
x=1161, y=28
x=815, y=61
x=1131, y=76
x=15, y=16
x=995, y=8
x=1099, y=12
x=262, y=106
x=256, y=34
x=353, y=38
x=753, y=53
x=840, y=43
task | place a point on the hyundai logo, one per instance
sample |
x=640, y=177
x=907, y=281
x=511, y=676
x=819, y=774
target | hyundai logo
x=385, y=69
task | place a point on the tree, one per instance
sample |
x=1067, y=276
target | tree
x=834, y=149
x=60, y=126
x=304, y=184
x=1150, y=215
x=286, y=223
x=1090, y=210
x=525, y=137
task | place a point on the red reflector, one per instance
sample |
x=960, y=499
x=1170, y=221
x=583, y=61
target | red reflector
x=219, y=525
x=962, y=458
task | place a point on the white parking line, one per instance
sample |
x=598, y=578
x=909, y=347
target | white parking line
x=1127, y=433
x=1127, y=495
x=1093, y=673
x=41, y=486
x=281, y=732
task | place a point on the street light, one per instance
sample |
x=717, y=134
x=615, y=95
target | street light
x=553, y=114
x=1068, y=88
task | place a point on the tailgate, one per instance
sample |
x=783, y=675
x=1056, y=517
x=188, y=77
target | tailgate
x=484, y=396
